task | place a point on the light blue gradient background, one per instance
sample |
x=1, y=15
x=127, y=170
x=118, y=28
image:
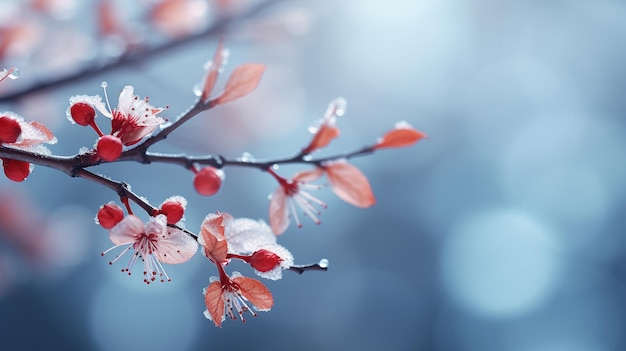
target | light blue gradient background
x=502, y=231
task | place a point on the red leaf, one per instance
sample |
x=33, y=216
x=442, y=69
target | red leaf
x=242, y=82
x=214, y=301
x=403, y=135
x=255, y=292
x=350, y=184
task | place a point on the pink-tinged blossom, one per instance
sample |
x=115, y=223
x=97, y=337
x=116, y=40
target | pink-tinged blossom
x=154, y=243
x=131, y=120
x=349, y=183
x=223, y=236
x=230, y=296
x=291, y=194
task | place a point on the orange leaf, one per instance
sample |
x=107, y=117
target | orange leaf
x=350, y=184
x=213, y=71
x=255, y=292
x=322, y=138
x=242, y=82
x=214, y=301
x=403, y=135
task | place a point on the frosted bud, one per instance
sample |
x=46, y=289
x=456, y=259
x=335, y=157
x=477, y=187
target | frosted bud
x=264, y=260
x=82, y=113
x=109, y=215
x=109, y=147
x=173, y=210
x=208, y=180
x=15, y=170
x=10, y=130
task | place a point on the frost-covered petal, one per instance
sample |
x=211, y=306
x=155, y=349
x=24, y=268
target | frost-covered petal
x=176, y=247
x=126, y=99
x=128, y=230
x=245, y=235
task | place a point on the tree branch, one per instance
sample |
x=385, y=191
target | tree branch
x=135, y=57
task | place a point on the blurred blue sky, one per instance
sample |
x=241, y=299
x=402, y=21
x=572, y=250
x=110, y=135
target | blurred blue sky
x=501, y=231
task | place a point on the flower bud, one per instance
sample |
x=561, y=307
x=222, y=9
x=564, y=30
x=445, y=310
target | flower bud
x=10, y=130
x=82, y=113
x=15, y=170
x=109, y=215
x=109, y=147
x=264, y=260
x=208, y=181
x=173, y=210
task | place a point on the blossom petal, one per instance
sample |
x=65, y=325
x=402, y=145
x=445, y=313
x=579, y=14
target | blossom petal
x=176, y=247
x=214, y=301
x=255, y=292
x=127, y=230
x=350, y=184
x=243, y=81
x=278, y=211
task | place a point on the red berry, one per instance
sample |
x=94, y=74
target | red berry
x=109, y=215
x=10, y=130
x=173, y=210
x=82, y=113
x=15, y=170
x=208, y=181
x=109, y=147
x=264, y=260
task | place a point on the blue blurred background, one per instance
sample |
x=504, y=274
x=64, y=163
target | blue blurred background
x=501, y=231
